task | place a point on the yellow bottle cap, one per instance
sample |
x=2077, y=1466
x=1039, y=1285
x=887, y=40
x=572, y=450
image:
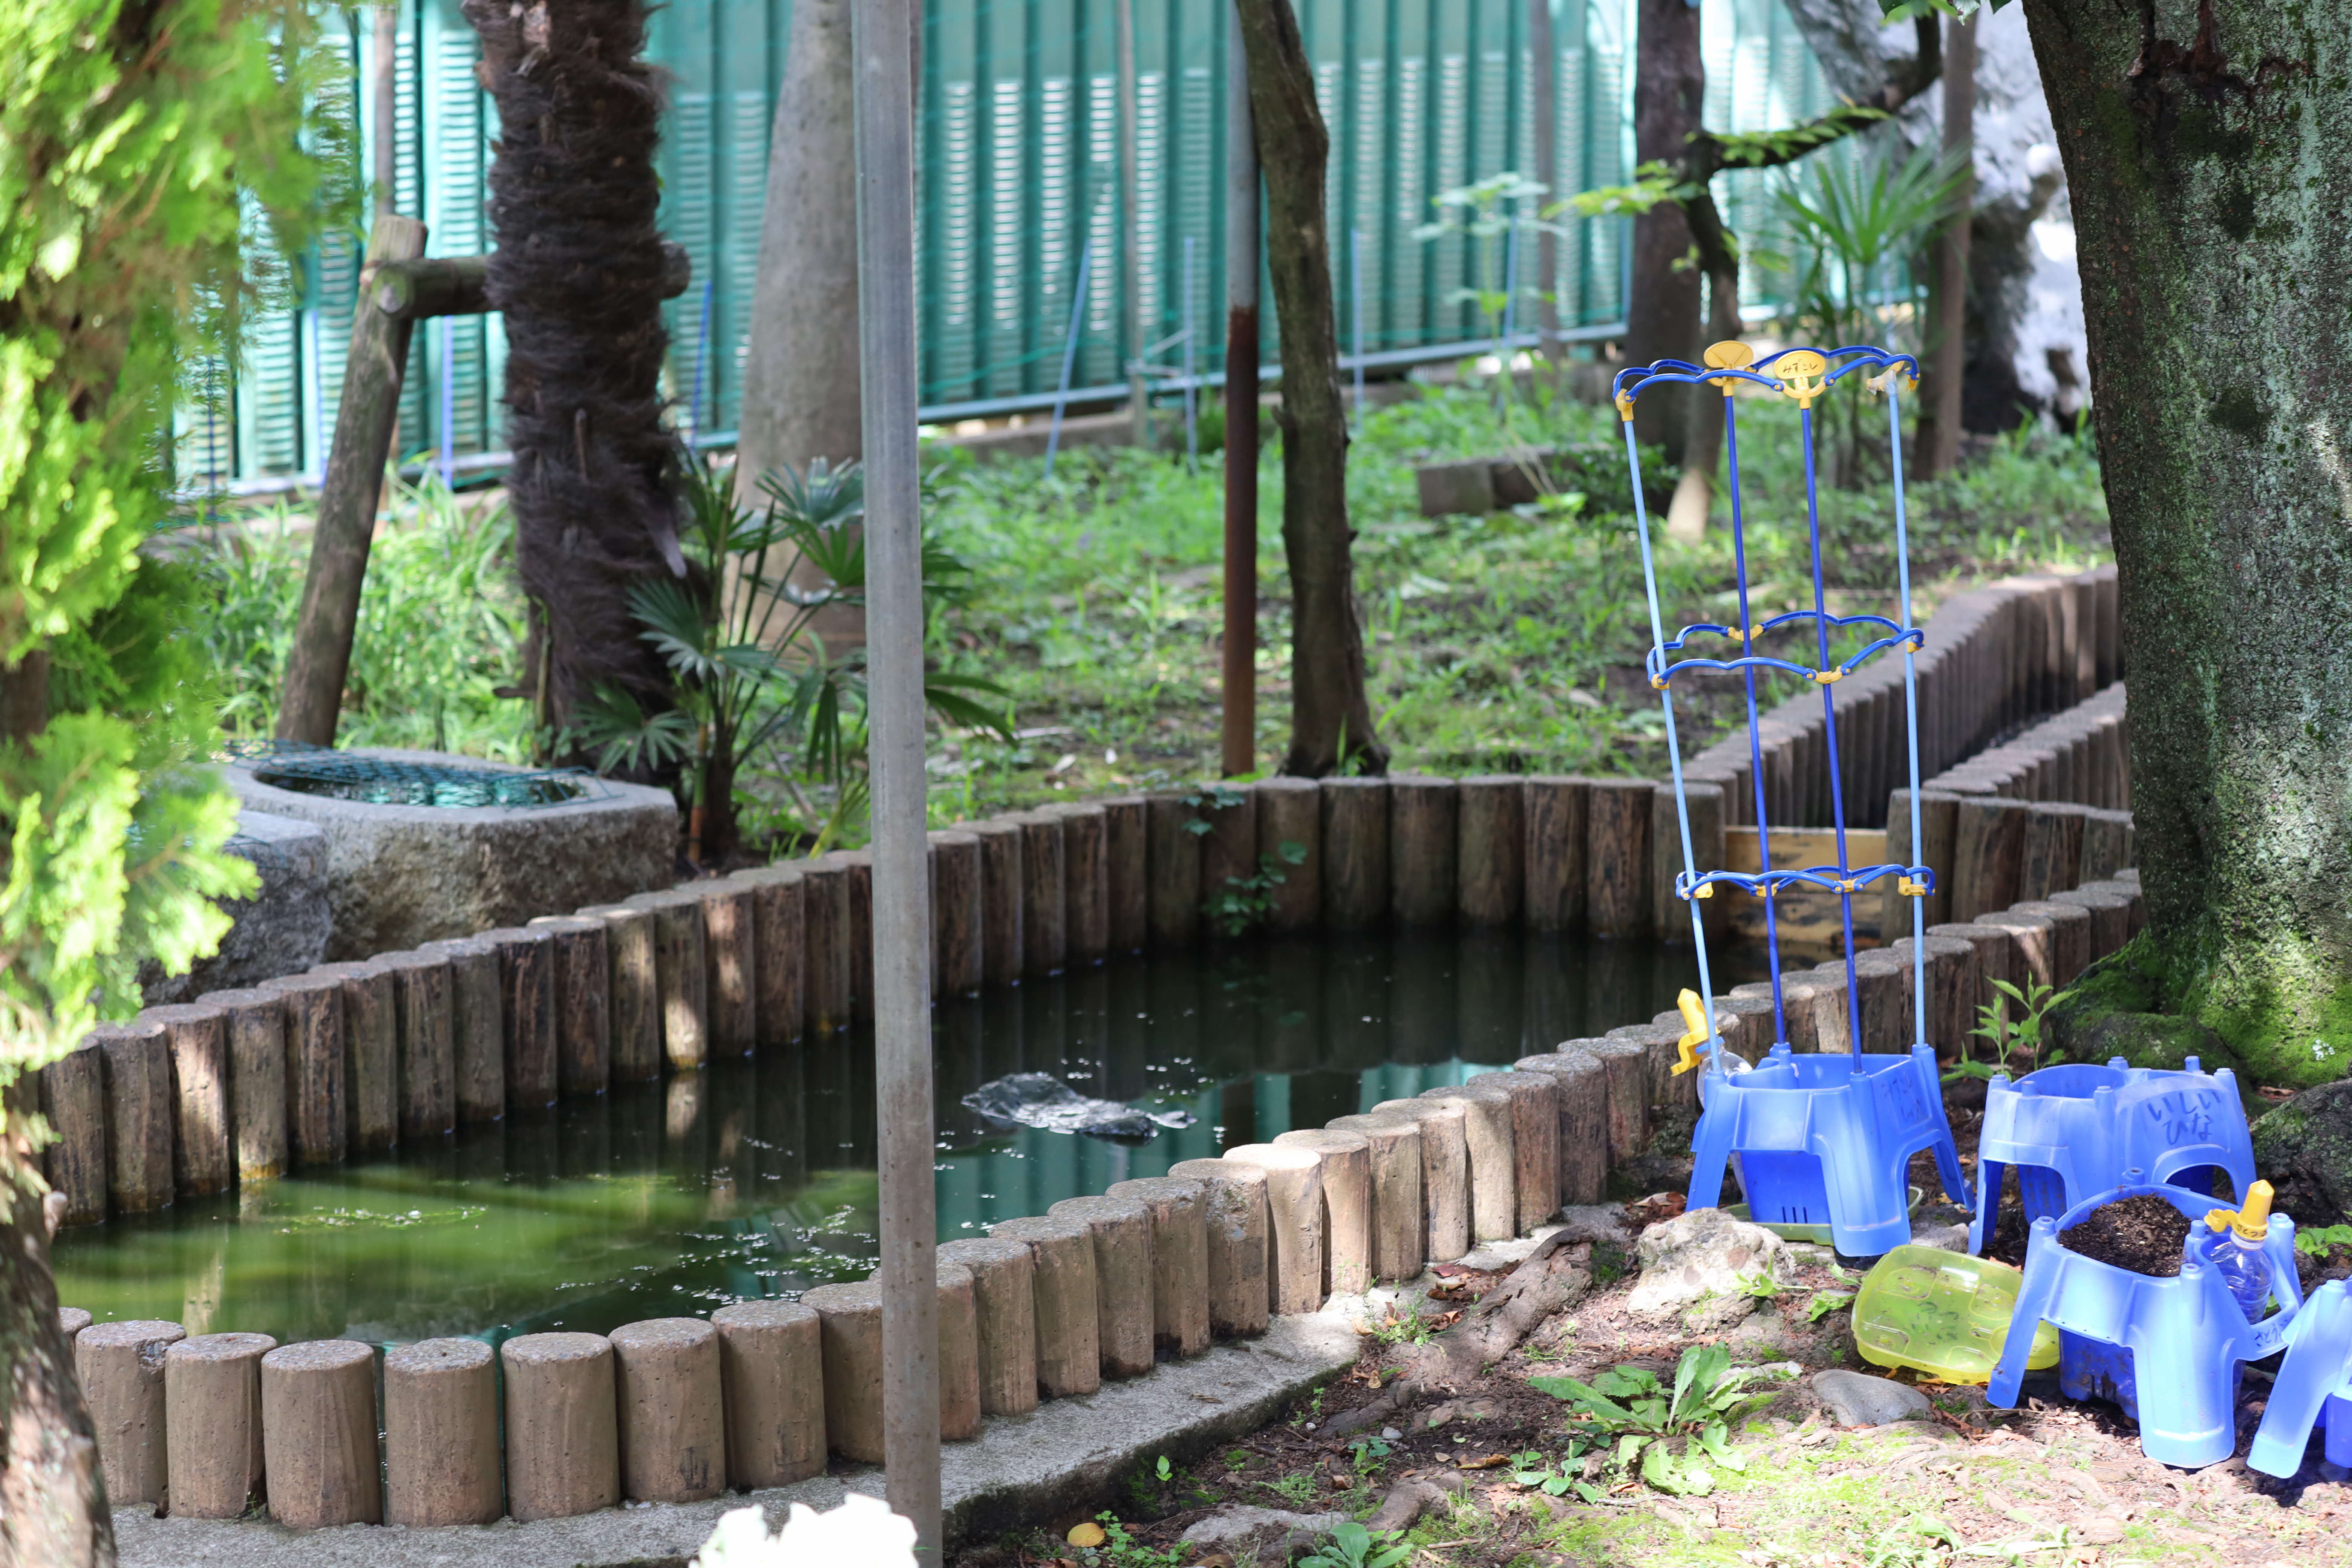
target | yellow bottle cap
x=2252, y=1223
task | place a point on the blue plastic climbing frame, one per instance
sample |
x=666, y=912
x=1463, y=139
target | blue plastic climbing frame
x=1820, y=1139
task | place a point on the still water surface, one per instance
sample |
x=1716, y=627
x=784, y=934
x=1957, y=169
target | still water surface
x=756, y=1178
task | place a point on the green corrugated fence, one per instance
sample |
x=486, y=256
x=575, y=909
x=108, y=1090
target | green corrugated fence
x=1019, y=161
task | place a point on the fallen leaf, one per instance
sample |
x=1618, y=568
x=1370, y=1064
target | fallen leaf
x=1085, y=1534
x=1215, y=1560
x=1491, y=1462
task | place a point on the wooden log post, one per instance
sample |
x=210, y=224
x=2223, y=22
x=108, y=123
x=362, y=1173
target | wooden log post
x=1044, y=929
x=1557, y=833
x=824, y=975
x=527, y=1002
x=857, y=905
x=1063, y=1299
x=1399, y=1206
x=1346, y=1187
x=779, y=948
x=2070, y=938
x=1491, y=1156
x=1290, y=836
x=476, y=1028
x=1535, y=1142
x=1580, y=1083
x=1355, y=853
x=138, y=1067
x=772, y=1362
x=1234, y=1213
x=958, y=962
x=1491, y=851
x=212, y=1420
x=366, y=418
x=425, y=1044
x=1617, y=857
x=195, y=1039
x=255, y=1024
x=441, y=1434
x=1293, y=1200
x=2052, y=859
x=319, y=1447
x=1002, y=940
x=1179, y=1258
x=670, y=1410
x=121, y=1367
x=730, y=963
x=1424, y=864
x=1706, y=804
x=682, y=975
x=583, y=982
x=314, y=1064
x=1938, y=816
x=1988, y=856
x=1005, y=1309
x=1126, y=863
x=563, y=1445
x=1172, y=849
x=1085, y=883
x=73, y=1098
x=370, y=1056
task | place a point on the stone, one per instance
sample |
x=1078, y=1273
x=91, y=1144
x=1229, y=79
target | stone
x=400, y=876
x=2305, y=1147
x=1858, y=1399
x=1259, y=1533
x=284, y=929
x=1692, y=1267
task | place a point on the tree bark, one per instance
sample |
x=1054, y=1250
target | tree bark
x=1331, y=717
x=2209, y=152
x=310, y=698
x=578, y=272
x=53, y=1508
x=1662, y=304
x=1940, y=417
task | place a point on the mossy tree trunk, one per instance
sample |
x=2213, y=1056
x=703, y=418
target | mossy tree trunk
x=578, y=272
x=1662, y=301
x=2208, y=149
x=1331, y=717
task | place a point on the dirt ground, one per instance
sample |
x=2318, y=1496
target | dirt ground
x=2054, y=1482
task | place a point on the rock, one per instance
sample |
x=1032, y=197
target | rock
x=1042, y=1100
x=1693, y=1266
x=1947, y=1238
x=2305, y=1146
x=1857, y=1399
x=1405, y=1502
x=1448, y=490
x=2100, y=1529
x=284, y=929
x=400, y=876
x=1265, y=1533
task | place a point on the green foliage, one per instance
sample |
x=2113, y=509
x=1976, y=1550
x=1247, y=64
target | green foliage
x=1120, y=1550
x=1764, y=149
x=1350, y=1545
x=1367, y=1454
x=440, y=627
x=1238, y=907
x=1905, y=10
x=752, y=675
x=1824, y=1302
x=1856, y=220
x=2319, y=1240
x=139, y=150
x=1662, y=1433
x=2010, y=1036
x=1652, y=183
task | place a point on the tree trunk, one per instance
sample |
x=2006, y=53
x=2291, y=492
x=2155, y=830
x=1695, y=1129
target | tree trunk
x=578, y=271
x=1331, y=718
x=53, y=1508
x=1938, y=445
x=2208, y=149
x=1662, y=304
x=800, y=377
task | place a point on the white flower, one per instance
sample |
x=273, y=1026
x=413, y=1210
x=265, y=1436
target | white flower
x=861, y=1533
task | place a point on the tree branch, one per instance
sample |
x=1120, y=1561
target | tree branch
x=1711, y=151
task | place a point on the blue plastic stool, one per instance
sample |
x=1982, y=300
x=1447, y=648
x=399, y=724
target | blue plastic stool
x=1826, y=1140
x=2187, y=1331
x=2314, y=1383
x=2072, y=1131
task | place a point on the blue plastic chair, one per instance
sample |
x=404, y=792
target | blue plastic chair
x=1826, y=1140
x=2187, y=1331
x=2315, y=1383
x=2072, y=1131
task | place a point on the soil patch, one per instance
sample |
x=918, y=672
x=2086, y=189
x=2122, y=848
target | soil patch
x=2143, y=1234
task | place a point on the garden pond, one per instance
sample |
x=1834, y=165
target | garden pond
x=757, y=1178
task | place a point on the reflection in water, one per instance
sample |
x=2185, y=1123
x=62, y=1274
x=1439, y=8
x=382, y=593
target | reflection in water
x=756, y=1178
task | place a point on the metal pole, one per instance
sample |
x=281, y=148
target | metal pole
x=1191, y=391
x=1070, y=350
x=1130, y=226
x=883, y=40
x=1240, y=737
x=1543, y=103
x=1356, y=310
x=448, y=402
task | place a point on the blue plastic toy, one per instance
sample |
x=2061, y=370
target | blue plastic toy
x=1818, y=1139
x=2069, y=1132
x=2314, y=1384
x=2185, y=1334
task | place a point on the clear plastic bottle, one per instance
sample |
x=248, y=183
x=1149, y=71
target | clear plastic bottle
x=2235, y=1247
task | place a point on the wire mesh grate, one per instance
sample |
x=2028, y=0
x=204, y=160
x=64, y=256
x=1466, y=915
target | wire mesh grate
x=389, y=780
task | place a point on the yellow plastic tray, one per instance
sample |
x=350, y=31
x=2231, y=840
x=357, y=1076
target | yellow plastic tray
x=1943, y=1313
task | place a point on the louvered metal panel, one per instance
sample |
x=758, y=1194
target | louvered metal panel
x=1018, y=175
